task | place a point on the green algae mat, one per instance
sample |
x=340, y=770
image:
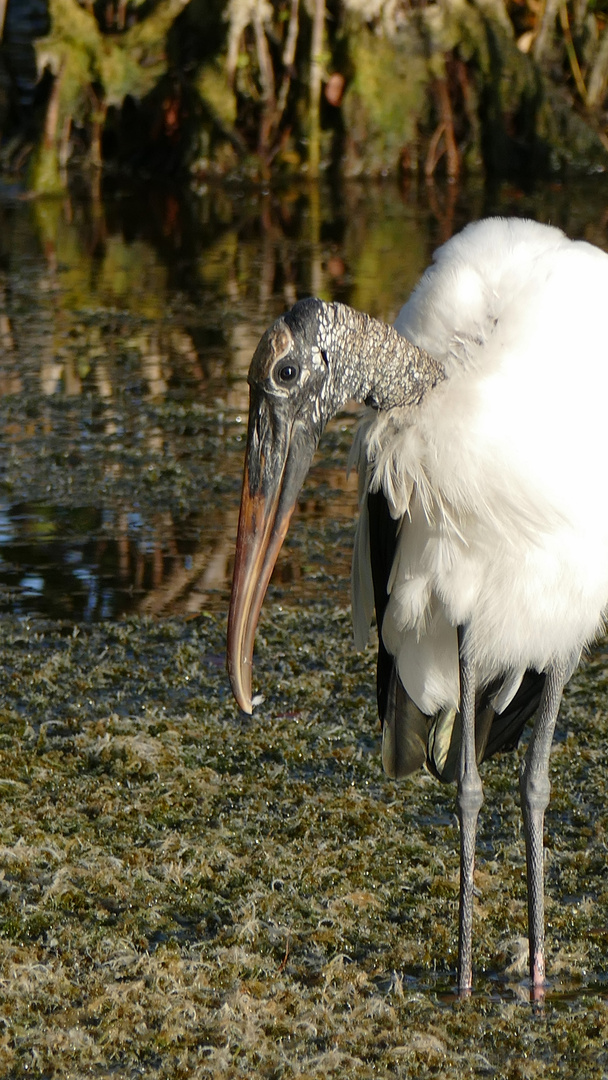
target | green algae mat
x=188, y=892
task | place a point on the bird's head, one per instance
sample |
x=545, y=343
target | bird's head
x=292, y=395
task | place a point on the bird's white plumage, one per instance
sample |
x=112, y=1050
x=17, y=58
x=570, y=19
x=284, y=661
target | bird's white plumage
x=499, y=476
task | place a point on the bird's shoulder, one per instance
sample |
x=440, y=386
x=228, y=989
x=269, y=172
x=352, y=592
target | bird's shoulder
x=500, y=274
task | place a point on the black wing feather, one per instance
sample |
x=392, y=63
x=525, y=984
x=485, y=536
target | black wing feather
x=383, y=531
x=507, y=726
x=404, y=727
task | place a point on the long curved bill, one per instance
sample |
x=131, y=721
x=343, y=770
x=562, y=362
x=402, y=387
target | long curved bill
x=277, y=460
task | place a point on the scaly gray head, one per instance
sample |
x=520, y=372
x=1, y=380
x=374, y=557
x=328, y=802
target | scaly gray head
x=291, y=373
x=306, y=366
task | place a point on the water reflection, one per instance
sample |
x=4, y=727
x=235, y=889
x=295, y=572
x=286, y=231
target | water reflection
x=126, y=331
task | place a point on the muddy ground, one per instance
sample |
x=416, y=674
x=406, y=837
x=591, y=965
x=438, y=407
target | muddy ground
x=188, y=892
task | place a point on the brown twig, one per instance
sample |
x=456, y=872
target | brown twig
x=283, y=963
x=571, y=51
x=289, y=53
x=444, y=129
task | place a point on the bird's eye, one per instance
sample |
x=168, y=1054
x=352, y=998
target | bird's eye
x=287, y=373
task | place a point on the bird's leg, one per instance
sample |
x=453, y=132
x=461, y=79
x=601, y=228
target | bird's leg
x=535, y=790
x=469, y=800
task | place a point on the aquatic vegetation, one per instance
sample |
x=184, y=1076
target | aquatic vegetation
x=262, y=90
x=189, y=892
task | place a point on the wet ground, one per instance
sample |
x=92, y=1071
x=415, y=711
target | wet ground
x=186, y=892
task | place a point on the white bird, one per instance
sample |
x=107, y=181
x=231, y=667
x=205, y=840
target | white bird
x=482, y=539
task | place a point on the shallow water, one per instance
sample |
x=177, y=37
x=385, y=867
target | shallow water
x=126, y=331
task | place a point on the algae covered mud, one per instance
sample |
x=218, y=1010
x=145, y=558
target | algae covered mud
x=185, y=891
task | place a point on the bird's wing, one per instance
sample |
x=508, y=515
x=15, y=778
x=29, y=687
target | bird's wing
x=404, y=726
x=382, y=530
x=506, y=727
x=494, y=731
x=410, y=737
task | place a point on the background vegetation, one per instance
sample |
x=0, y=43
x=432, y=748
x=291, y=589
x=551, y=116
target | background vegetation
x=256, y=89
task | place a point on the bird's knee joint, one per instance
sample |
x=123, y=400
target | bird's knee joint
x=470, y=795
x=535, y=791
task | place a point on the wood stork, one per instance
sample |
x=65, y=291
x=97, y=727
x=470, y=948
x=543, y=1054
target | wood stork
x=482, y=539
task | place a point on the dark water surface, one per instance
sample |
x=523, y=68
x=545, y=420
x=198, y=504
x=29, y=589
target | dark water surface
x=126, y=332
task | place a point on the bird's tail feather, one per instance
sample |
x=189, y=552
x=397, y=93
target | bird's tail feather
x=411, y=739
